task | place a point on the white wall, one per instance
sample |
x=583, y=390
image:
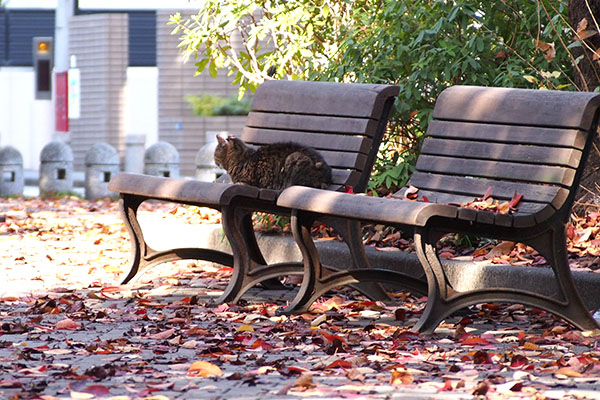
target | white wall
x=28, y=124
x=25, y=123
x=141, y=99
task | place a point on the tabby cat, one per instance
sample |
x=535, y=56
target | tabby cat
x=272, y=166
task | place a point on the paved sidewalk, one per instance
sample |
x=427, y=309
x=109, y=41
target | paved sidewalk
x=68, y=332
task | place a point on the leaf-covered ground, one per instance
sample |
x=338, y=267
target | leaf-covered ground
x=67, y=330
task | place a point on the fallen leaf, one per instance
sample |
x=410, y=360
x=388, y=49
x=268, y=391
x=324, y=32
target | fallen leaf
x=67, y=324
x=304, y=381
x=245, y=328
x=567, y=371
x=162, y=335
x=204, y=369
x=401, y=378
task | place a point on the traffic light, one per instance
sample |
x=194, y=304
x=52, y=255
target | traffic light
x=42, y=66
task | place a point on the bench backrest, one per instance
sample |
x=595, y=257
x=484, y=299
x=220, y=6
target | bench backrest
x=530, y=142
x=344, y=122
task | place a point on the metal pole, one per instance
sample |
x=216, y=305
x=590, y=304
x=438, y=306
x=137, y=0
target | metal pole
x=64, y=12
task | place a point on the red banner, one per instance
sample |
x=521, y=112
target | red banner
x=61, y=101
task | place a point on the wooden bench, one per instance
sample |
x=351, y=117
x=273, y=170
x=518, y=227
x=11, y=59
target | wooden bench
x=529, y=142
x=345, y=122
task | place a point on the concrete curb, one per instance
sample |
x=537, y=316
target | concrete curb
x=463, y=274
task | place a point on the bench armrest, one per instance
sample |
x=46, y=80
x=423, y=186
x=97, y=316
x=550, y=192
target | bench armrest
x=363, y=208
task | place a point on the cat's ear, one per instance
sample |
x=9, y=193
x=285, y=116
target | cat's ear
x=236, y=142
x=221, y=141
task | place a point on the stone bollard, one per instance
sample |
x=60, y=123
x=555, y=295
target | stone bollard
x=101, y=164
x=162, y=159
x=206, y=169
x=134, y=153
x=56, y=169
x=12, y=180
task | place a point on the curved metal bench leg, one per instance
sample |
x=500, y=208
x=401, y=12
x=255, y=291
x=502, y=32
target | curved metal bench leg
x=249, y=265
x=301, y=224
x=443, y=300
x=350, y=231
x=436, y=308
x=552, y=246
x=128, y=206
x=143, y=257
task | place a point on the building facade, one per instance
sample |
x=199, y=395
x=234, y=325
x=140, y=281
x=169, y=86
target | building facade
x=133, y=83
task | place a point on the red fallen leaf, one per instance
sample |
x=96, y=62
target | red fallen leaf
x=570, y=231
x=447, y=386
x=94, y=390
x=37, y=370
x=339, y=364
x=412, y=193
x=349, y=189
x=67, y=324
x=518, y=361
x=400, y=314
x=262, y=344
x=298, y=370
x=425, y=199
x=474, y=341
x=330, y=338
x=515, y=200
x=225, y=270
x=482, y=357
x=221, y=308
x=487, y=193
x=517, y=387
x=10, y=383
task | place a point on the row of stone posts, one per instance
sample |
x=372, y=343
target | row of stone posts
x=101, y=164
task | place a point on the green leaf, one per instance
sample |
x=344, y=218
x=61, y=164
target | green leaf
x=212, y=69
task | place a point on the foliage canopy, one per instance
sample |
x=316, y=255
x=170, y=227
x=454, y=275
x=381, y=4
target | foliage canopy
x=422, y=46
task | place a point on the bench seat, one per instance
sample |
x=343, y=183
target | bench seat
x=344, y=122
x=482, y=140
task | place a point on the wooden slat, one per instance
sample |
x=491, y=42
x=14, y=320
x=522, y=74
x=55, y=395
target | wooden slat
x=501, y=190
x=323, y=98
x=508, y=134
x=345, y=177
x=311, y=123
x=496, y=170
x=517, y=106
x=496, y=151
x=355, y=143
x=525, y=207
x=341, y=159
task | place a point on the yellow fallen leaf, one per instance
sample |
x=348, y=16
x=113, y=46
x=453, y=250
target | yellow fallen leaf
x=401, y=378
x=204, y=369
x=245, y=328
x=530, y=346
x=567, y=371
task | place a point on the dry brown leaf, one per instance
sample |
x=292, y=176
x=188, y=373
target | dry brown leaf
x=304, y=381
x=401, y=378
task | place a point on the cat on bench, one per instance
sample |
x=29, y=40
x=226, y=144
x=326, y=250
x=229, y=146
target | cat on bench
x=272, y=166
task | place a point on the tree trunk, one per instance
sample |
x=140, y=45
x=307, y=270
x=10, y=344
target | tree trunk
x=587, y=78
